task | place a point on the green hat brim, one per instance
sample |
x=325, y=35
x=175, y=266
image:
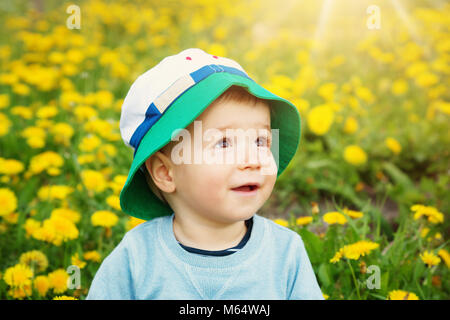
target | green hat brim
x=136, y=197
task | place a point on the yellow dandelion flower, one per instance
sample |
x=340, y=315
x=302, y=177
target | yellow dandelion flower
x=354, y=155
x=281, y=222
x=45, y=160
x=56, y=230
x=35, y=259
x=417, y=207
x=92, y=256
x=402, y=295
x=66, y=213
x=47, y=112
x=83, y=113
x=351, y=125
x=62, y=132
x=114, y=202
x=59, y=192
x=8, y=201
x=11, y=218
x=361, y=248
x=104, y=218
x=217, y=49
x=320, y=119
x=355, y=250
x=36, y=142
x=89, y=143
x=429, y=258
x=334, y=217
x=5, y=124
x=42, y=285
x=399, y=87
x=426, y=79
x=86, y=158
x=104, y=98
x=33, y=132
x=10, y=166
x=353, y=214
x=302, y=221
x=327, y=91
x=393, y=145
x=64, y=298
x=433, y=215
x=337, y=256
x=4, y=101
x=21, y=89
x=301, y=104
x=133, y=222
x=18, y=276
x=364, y=94
x=117, y=184
x=31, y=226
x=445, y=256
x=93, y=180
x=58, y=280
x=20, y=292
x=23, y=112
x=75, y=259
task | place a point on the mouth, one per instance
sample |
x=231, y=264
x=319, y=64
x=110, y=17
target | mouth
x=248, y=188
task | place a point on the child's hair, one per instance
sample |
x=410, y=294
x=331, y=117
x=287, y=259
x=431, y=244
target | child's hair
x=233, y=93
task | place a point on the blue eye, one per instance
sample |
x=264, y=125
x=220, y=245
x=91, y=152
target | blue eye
x=262, y=142
x=223, y=143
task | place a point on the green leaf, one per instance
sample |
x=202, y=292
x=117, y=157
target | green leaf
x=397, y=175
x=377, y=296
x=384, y=282
x=313, y=245
x=419, y=270
x=324, y=275
x=320, y=163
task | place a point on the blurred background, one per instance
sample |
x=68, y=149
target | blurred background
x=369, y=78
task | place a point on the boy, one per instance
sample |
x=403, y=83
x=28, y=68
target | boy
x=204, y=239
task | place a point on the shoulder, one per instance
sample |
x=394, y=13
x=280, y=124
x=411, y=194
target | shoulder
x=279, y=234
x=144, y=234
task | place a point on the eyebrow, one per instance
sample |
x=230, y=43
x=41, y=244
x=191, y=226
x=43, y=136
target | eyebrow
x=259, y=125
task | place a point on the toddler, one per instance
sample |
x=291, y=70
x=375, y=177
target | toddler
x=209, y=143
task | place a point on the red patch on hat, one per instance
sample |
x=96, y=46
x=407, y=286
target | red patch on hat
x=188, y=58
x=216, y=57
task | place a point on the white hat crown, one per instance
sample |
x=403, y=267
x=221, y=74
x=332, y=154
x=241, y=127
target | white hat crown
x=155, y=90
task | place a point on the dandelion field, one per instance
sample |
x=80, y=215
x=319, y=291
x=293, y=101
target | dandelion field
x=368, y=189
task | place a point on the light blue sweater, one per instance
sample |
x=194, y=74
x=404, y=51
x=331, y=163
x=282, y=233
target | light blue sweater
x=149, y=263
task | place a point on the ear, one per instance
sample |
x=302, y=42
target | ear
x=160, y=169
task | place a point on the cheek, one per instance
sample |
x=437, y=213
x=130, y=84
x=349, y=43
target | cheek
x=208, y=183
x=271, y=179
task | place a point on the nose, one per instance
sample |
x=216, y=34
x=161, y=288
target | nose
x=249, y=157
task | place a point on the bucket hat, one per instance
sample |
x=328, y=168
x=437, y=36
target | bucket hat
x=170, y=96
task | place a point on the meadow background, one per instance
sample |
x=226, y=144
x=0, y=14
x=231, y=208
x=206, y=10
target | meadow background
x=368, y=190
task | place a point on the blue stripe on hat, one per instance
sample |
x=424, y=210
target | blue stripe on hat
x=205, y=71
x=152, y=114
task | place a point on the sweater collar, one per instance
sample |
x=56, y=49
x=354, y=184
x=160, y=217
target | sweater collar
x=173, y=250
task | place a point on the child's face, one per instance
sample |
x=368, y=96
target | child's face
x=209, y=189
